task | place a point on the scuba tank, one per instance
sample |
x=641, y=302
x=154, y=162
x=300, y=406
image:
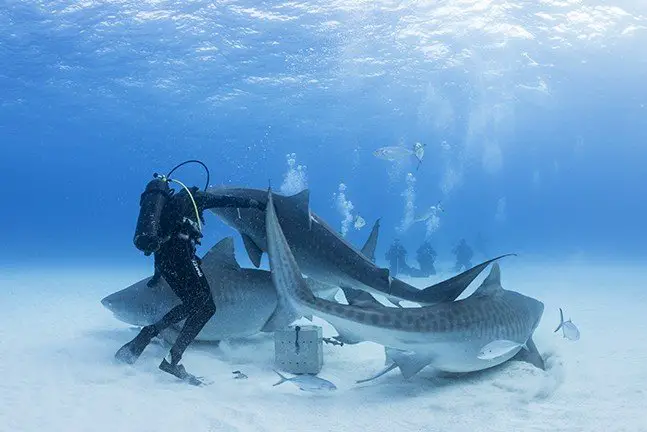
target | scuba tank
x=151, y=204
x=147, y=234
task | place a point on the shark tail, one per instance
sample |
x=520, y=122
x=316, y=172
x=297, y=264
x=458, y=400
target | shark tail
x=561, y=320
x=282, y=380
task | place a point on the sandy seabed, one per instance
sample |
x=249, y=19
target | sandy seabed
x=57, y=344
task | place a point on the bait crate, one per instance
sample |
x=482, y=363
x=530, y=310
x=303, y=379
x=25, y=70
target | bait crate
x=299, y=349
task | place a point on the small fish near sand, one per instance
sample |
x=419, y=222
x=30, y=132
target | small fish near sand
x=307, y=382
x=239, y=375
x=569, y=330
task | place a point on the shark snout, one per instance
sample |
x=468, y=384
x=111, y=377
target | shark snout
x=109, y=302
x=106, y=302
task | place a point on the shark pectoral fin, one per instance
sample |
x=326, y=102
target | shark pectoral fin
x=390, y=366
x=531, y=355
x=346, y=336
x=397, y=303
x=350, y=293
x=360, y=298
x=253, y=251
x=282, y=317
x=322, y=290
x=410, y=363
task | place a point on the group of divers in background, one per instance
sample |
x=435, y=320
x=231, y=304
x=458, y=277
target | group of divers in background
x=426, y=257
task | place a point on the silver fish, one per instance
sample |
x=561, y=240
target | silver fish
x=419, y=152
x=307, y=382
x=432, y=211
x=569, y=331
x=393, y=153
x=497, y=349
x=360, y=222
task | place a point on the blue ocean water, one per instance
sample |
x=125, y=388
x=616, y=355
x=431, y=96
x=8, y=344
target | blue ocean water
x=533, y=115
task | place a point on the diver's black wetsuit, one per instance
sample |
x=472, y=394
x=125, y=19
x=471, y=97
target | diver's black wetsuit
x=178, y=264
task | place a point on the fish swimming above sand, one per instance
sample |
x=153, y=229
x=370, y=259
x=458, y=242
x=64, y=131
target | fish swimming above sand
x=306, y=382
x=400, y=154
x=419, y=152
x=569, y=330
x=431, y=212
x=393, y=153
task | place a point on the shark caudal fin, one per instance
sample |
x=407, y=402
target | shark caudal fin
x=292, y=289
x=450, y=289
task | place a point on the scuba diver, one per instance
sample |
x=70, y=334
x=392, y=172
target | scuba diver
x=426, y=256
x=463, y=256
x=170, y=226
x=396, y=255
x=481, y=244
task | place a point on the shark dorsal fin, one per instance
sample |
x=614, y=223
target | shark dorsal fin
x=295, y=206
x=301, y=200
x=221, y=255
x=371, y=242
x=492, y=283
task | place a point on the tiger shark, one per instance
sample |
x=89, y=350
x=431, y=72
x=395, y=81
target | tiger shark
x=324, y=255
x=246, y=299
x=484, y=330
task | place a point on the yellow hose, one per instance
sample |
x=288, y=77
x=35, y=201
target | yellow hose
x=195, y=206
